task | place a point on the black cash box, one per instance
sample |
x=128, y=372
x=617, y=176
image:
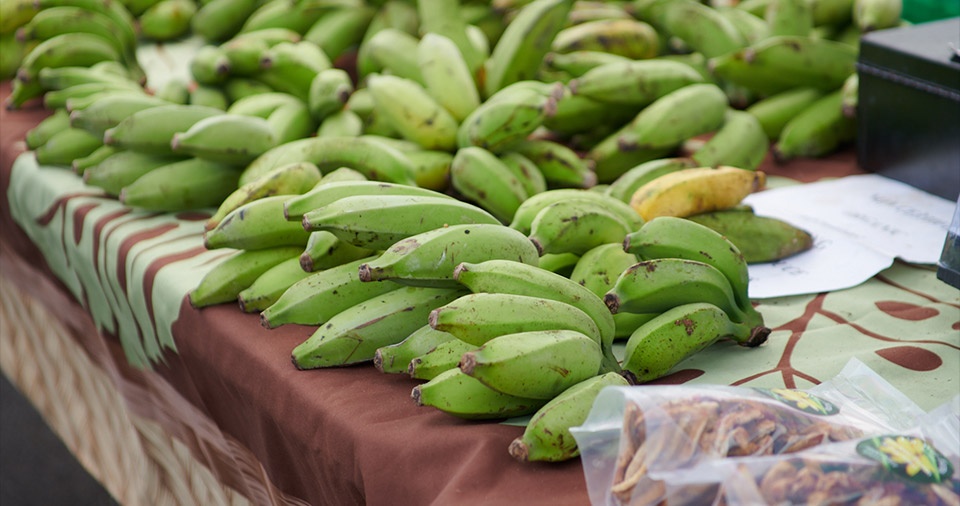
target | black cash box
x=908, y=111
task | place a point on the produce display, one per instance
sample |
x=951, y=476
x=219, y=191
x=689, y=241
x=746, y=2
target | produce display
x=485, y=196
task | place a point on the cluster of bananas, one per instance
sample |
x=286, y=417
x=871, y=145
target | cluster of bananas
x=484, y=196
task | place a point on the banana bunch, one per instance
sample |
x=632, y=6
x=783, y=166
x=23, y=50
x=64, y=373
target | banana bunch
x=692, y=287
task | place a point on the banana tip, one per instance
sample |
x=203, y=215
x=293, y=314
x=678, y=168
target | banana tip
x=365, y=273
x=458, y=270
x=612, y=301
x=415, y=394
x=265, y=321
x=378, y=360
x=758, y=336
x=467, y=362
x=519, y=450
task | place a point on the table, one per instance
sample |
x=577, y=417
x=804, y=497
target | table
x=226, y=419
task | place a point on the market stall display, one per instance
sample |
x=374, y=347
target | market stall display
x=181, y=201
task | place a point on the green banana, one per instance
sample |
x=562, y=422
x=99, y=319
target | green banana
x=507, y=117
x=256, y=225
x=57, y=99
x=547, y=437
x=636, y=82
x=739, y=142
x=627, y=37
x=530, y=176
x=244, y=55
x=560, y=263
x=444, y=18
x=672, y=237
x=167, y=20
x=701, y=28
x=325, y=250
x=537, y=364
x=446, y=75
x=270, y=285
x=180, y=186
x=329, y=92
x=354, y=334
x=122, y=169
x=431, y=169
x=429, y=258
x=290, y=67
x=262, y=105
x=66, y=146
x=623, y=187
x=752, y=28
x=440, y=358
x=322, y=295
x=98, y=155
x=759, y=238
x=831, y=12
x=789, y=17
x=560, y=165
x=290, y=14
x=519, y=52
x=673, y=118
x=413, y=112
x=476, y=318
x=817, y=131
x=871, y=15
x=457, y=394
x=208, y=96
x=151, y=130
x=324, y=194
x=210, y=65
x=394, y=52
x=340, y=30
x=579, y=62
x=576, y=226
x=219, y=20
x=344, y=123
x=291, y=179
x=53, y=21
x=659, y=345
x=224, y=282
x=379, y=221
x=39, y=134
x=597, y=270
x=124, y=22
x=232, y=139
x=528, y=211
x=373, y=159
x=507, y=276
x=292, y=122
x=58, y=78
x=776, y=110
x=16, y=13
x=779, y=63
x=653, y=286
x=484, y=179
x=108, y=111
x=395, y=358
x=340, y=175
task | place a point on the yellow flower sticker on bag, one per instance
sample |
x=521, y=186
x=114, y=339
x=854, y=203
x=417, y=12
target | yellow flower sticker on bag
x=908, y=456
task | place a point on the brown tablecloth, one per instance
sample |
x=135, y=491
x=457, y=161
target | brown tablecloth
x=279, y=435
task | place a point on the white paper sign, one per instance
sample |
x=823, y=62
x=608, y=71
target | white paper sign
x=860, y=225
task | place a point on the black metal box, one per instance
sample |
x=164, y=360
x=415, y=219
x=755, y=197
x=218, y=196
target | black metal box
x=908, y=111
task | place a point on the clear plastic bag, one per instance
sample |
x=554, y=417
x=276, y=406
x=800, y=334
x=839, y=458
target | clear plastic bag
x=914, y=467
x=634, y=434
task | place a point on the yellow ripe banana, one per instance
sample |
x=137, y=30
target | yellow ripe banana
x=292, y=179
x=696, y=190
x=413, y=112
x=624, y=186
